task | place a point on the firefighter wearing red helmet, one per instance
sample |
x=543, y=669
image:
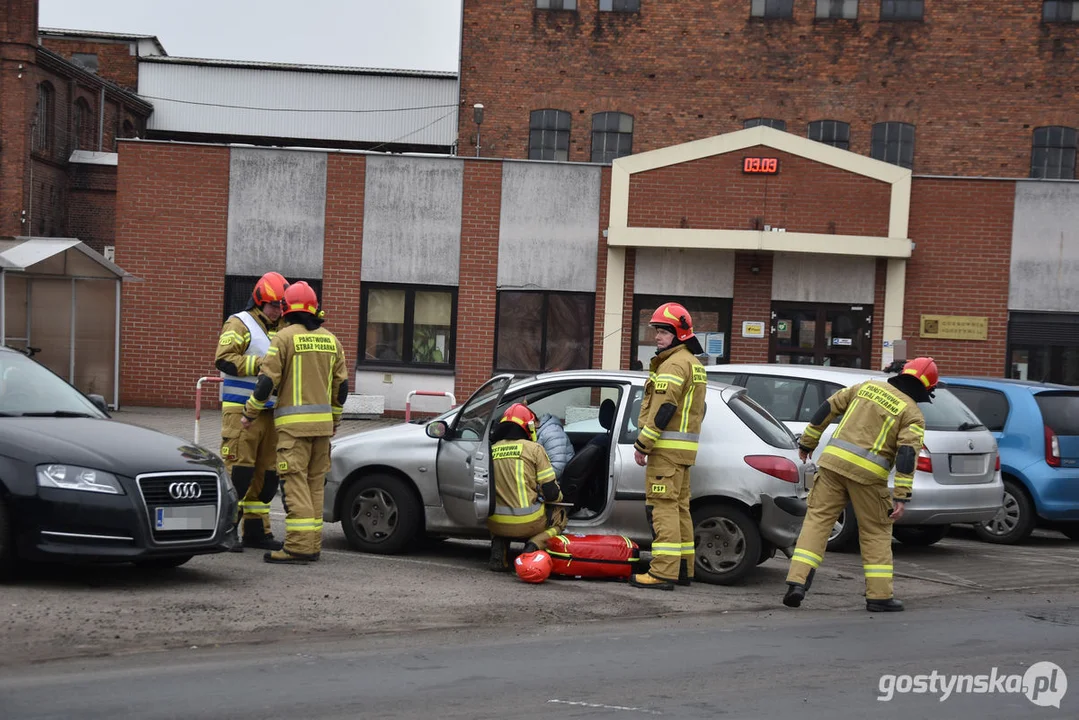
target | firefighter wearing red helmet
x=670, y=427
x=525, y=484
x=250, y=454
x=882, y=428
x=306, y=364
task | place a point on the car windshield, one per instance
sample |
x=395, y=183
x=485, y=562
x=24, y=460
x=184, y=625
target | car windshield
x=947, y=412
x=27, y=388
x=766, y=427
x=1060, y=411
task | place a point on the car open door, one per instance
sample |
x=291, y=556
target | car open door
x=463, y=466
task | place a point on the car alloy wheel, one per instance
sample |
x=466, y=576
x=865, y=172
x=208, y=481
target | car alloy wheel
x=374, y=515
x=1006, y=519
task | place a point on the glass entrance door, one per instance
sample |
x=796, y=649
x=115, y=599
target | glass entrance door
x=816, y=334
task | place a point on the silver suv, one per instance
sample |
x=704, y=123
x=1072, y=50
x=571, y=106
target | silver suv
x=958, y=476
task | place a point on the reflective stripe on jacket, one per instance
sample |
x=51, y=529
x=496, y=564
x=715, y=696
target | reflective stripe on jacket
x=307, y=367
x=245, y=339
x=878, y=419
x=677, y=377
x=520, y=469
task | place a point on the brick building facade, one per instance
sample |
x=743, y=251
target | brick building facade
x=972, y=80
x=55, y=116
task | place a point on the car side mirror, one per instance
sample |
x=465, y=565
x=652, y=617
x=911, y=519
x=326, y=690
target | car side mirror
x=99, y=403
x=437, y=429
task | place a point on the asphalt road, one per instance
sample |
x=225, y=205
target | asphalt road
x=796, y=664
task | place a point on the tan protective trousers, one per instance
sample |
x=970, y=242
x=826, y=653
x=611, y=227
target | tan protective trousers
x=302, y=464
x=538, y=532
x=667, y=492
x=254, y=447
x=872, y=505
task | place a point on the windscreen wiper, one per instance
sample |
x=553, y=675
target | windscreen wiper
x=58, y=413
x=969, y=426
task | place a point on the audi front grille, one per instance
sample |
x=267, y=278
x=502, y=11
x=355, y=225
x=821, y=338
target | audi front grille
x=169, y=490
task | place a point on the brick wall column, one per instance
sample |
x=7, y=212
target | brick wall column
x=629, y=322
x=171, y=233
x=752, y=302
x=342, y=251
x=478, y=284
x=880, y=284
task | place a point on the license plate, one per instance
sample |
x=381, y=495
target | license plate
x=968, y=464
x=188, y=517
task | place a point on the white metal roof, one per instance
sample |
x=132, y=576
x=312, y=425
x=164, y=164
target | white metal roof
x=22, y=253
x=147, y=44
x=223, y=97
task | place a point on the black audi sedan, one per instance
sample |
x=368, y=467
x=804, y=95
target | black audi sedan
x=76, y=485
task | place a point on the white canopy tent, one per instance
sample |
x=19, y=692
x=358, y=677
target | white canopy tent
x=62, y=296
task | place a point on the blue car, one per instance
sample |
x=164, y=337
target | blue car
x=1037, y=430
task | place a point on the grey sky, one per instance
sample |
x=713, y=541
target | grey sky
x=403, y=34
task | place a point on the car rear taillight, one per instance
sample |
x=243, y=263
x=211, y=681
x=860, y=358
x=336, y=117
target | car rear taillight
x=1052, y=448
x=925, y=461
x=998, y=462
x=777, y=467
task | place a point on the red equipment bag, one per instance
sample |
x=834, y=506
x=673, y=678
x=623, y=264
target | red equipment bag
x=593, y=556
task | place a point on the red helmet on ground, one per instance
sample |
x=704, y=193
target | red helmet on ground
x=300, y=297
x=675, y=317
x=925, y=369
x=270, y=288
x=533, y=567
x=520, y=414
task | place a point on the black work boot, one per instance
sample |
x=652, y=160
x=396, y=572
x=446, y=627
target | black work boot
x=255, y=536
x=530, y=547
x=499, y=560
x=683, y=574
x=796, y=593
x=889, y=605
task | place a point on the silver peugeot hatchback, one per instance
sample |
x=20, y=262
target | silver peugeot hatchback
x=392, y=486
x=957, y=479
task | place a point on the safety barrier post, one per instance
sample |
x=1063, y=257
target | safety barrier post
x=198, y=402
x=432, y=393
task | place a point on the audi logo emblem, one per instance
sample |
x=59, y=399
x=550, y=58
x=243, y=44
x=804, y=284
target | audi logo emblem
x=185, y=491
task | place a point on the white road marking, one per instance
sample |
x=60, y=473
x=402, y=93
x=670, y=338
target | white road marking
x=605, y=707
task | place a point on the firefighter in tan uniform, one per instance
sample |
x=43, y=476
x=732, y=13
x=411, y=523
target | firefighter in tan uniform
x=524, y=485
x=250, y=454
x=307, y=366
x=882, y=426
x=670, y=427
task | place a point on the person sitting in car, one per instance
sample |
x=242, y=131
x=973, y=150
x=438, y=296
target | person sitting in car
x=552, y=436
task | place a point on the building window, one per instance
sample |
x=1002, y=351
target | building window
x=407, y=325
x=1060, y=11
x=831, y=132
x=87, y=61
x=902, y=9
x=893, y=142
x=84, y=125
x=1053, y=154
x=837, y=9
x=541, y=331
x=771, y=8
x=711, y=324
x=548, y=135
x=766, y=122
x=556, y=4
x=630, y=6
x=43, y=120
x=238, y=291
x=612, y=136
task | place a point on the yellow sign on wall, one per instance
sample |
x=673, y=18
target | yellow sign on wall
x=955, y=327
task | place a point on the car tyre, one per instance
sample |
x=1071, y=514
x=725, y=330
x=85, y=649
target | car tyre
x=844, y=536
x=727, y=544
x=381, y=514
x=7, y=544
x=1014, y=521
x=165, y=563
x=920, y=535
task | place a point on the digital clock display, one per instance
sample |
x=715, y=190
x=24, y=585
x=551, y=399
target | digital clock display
x=765, y=165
